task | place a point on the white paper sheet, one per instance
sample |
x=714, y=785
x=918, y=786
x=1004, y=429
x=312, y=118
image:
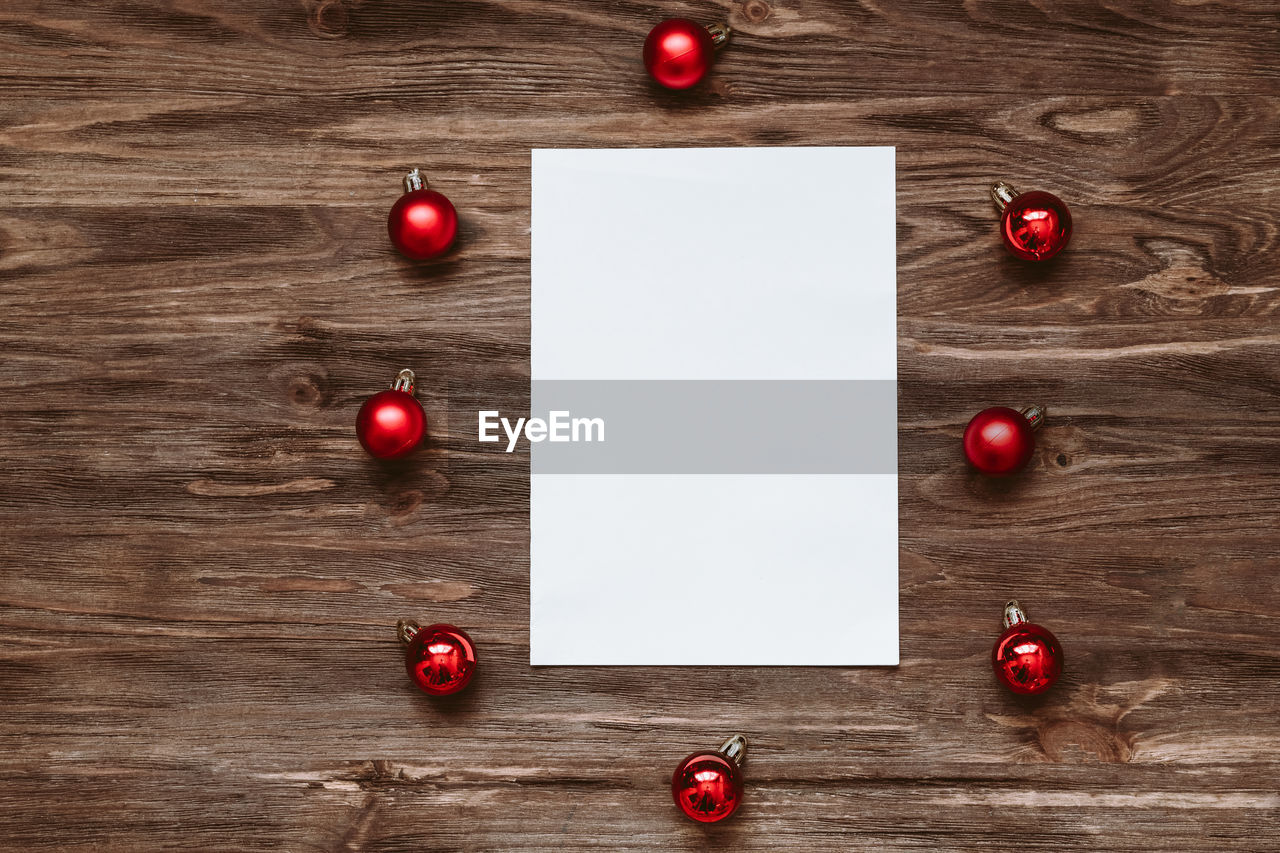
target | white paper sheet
x=716, y=266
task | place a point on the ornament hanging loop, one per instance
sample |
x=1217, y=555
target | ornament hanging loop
x=414, y=181
x=407, y=630
x=719, y=34
x=1034, y=415
x=1014, y=614
x=735, y=749
x=403, y=381
x=1002, y=194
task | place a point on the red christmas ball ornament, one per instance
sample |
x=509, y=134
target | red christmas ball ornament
x=392, y=423
x=1035, y=226
x=679, y=52
x=999, y=441
x=422, y=223
x=1027, y=658
x=707, y=786
x=441, y=659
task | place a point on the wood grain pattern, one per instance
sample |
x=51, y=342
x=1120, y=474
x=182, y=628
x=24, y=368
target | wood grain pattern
x=201, y=572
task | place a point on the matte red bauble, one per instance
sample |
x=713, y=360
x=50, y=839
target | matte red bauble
x=422, y=223
x=707, y=786
x=1035, y=226
x=1027, y=658
x=439, y=658
x=678, y=52
x=1000, y=441
x=392, y=423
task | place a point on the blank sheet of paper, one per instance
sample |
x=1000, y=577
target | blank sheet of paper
x=728, y=317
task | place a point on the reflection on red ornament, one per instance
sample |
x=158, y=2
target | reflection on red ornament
x=678, y=52
x=1035, y=226
x=1027, y=658
x=422, y=223
x=441, y=659
x=1000, y=441
x=392, y=423
x=707, y=786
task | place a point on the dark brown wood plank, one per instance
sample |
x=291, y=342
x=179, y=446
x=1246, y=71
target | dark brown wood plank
x=524, y=55
x=200, y=571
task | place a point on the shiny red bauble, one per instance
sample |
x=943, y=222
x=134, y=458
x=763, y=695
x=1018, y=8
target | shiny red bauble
x=422, y=223
x=679, y=52
x=1027, y=658
x=707, y=786
x=1035, y=226
x=392, y=423
x=1000, y=441
x=441, y=659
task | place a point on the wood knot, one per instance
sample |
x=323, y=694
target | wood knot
x=1092, y=122
x=401, y=502
x=329, y=19
x=405, y=502
x=756, y=11
x=311, y=390
x=718, y=88
x=308, y=328
x=1064, y=447
x=1070, y=741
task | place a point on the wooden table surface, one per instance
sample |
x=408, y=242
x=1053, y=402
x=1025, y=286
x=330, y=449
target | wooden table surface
x=201, y=570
